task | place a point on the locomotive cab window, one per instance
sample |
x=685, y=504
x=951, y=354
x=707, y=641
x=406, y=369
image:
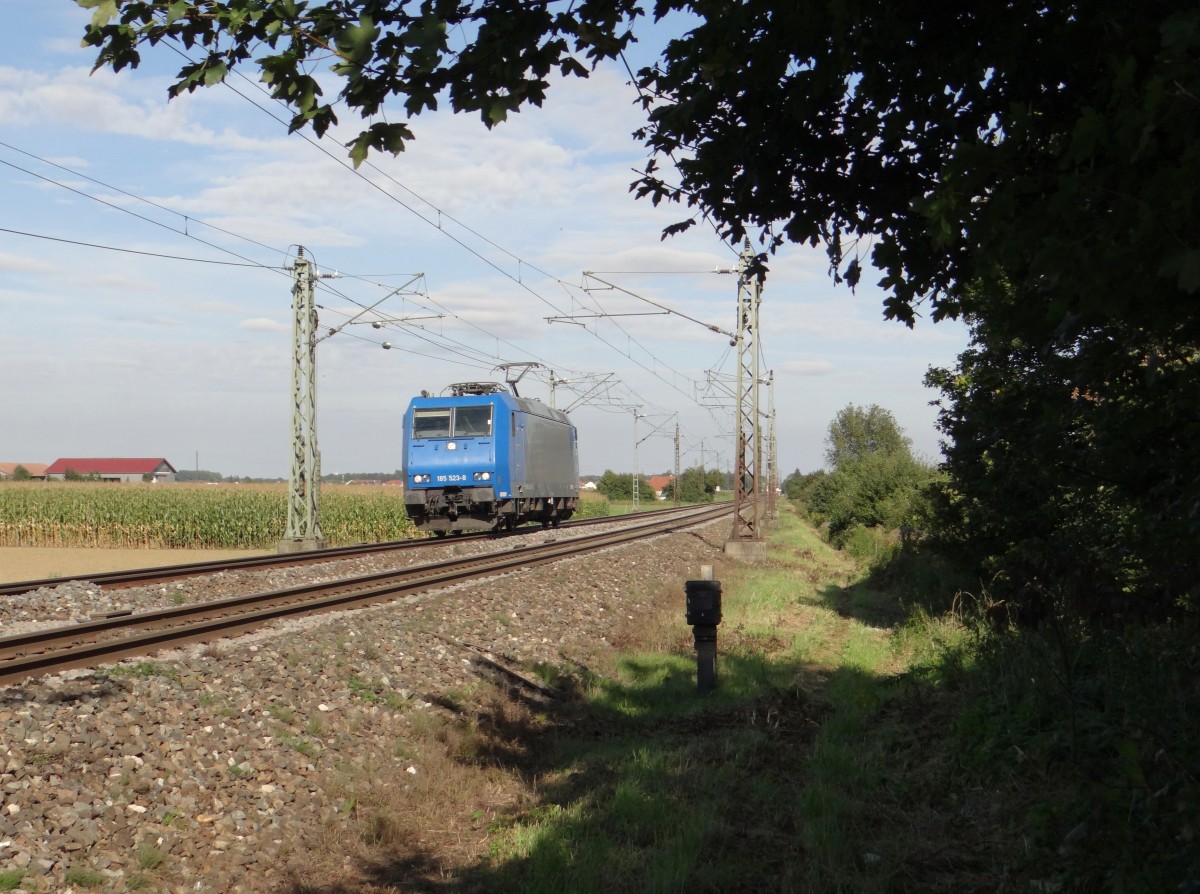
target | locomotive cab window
x=472, y=422
x=431, y=423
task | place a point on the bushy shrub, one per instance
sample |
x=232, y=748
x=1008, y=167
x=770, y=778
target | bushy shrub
x=869, y=546
x=799, y=488
x=593, y=507
x=878, y=490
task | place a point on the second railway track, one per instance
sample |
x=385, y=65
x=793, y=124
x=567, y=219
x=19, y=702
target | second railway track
x=128, y=634
x=136, y=577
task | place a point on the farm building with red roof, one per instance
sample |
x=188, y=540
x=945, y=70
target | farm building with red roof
x=154, y=469
x=35, y=470
x=661, y=483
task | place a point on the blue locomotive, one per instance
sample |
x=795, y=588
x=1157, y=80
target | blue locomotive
x=484, y=459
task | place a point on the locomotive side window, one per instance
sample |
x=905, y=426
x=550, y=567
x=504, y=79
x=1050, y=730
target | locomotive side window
x=431, y=423
x=472, y=422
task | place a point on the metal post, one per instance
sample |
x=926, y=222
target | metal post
x=772, y=458
x=676, y=464
x=304, y=476
x=746, y=539
x=636, y=483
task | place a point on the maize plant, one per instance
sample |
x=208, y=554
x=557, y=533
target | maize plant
x=182, y=516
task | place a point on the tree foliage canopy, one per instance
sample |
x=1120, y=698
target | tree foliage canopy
x=1072, y=466
x=875, y=480
x=1054, y=141
x=697, y=485
x=619, y=486
x=380, y=51
x=858, y=432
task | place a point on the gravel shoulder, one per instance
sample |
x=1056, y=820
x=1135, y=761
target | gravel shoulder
x=209, y=769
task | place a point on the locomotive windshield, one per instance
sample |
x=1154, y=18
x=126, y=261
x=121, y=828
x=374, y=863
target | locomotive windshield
x=472, y=422
x=458, y=422
x=432, y=423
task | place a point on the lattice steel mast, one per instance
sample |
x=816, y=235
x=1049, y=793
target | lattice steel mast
x=304, y=477
x=772, y=455
x=747, y=510
x=676, y=481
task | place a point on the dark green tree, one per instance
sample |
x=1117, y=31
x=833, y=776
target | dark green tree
x=879, y=490
x=696, y=485
x=875, y=482
x=799, y=487
x=186, y=475
x=858, y=432
x=388, y=58
x=20, y=473
x=615, y=486
x=1069, y=466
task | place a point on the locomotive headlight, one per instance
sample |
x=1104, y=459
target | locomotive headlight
x=420, y=479
x=483, y=476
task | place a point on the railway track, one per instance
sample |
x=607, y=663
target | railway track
x=130, y=634
x=163, y=573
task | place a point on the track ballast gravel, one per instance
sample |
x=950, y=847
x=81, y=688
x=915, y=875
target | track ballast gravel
x=198, y=769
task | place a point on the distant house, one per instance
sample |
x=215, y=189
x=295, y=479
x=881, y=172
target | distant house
x=154, y=469
x=660, y=483
x=588, y=485
x=35, y=470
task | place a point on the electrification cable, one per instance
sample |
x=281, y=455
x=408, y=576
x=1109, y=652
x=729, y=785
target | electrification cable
x=132, y=251
x=441, y=214
x=142, y=217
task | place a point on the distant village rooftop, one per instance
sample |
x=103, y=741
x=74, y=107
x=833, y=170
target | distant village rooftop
x=123, y=469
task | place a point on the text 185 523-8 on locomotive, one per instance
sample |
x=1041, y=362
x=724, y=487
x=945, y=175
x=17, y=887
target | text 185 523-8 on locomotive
x=483, y=459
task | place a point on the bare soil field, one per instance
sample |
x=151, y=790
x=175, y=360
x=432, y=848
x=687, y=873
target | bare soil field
x=33, y=563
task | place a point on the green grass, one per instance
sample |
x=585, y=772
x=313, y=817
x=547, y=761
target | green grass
x=759, y=786
x=303, y=746
x=856, y=742
x=84, y=878
x=10, y=879
x=150, y=856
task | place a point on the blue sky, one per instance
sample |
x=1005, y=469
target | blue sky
x=110, y=353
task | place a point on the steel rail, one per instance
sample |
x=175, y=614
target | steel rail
x=108, y=639
x=164, y=573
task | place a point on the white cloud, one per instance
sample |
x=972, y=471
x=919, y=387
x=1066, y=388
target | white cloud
x=23, y=264
x=807, y=367
x=261, y=324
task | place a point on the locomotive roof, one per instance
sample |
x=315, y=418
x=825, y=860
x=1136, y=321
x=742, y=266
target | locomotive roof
x=461, y=389
x=530, y=405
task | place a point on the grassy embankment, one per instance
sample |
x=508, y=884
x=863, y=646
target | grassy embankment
x=851, y=746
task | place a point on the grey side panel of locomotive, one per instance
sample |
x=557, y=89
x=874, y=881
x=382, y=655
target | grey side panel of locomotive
x=551, y=467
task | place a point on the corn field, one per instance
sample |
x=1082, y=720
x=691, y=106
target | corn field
x=182, y=516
